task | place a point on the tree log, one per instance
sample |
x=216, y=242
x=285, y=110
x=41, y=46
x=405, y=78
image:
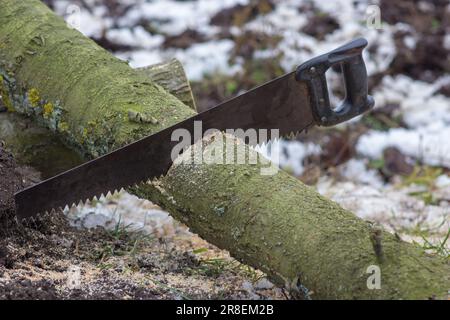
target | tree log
x=94, y=101
x=171, y=76
x=302, y=240
x=38, y=147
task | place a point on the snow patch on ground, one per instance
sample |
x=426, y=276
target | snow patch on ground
x=393, y=207
x=91, y=24
x=298, y=47
x=128, y=210
x=419, y=104
x=176, y=16
x=428, y=144
x=198, y=60
x=207, y=58
x=356, y=170
x=136, y=37
x=289, y=154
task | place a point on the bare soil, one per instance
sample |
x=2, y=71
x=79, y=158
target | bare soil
x=11, y=180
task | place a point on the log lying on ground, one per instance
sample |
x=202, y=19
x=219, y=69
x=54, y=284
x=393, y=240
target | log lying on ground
x=97, y=103
x=93, y=100
x=38, y=147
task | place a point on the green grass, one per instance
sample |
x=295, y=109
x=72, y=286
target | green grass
x=426, y=196
x=426, y=233
x=424, y=176
x=376, y=164
x=122, y=241
x=439, y=248
x=381, y=122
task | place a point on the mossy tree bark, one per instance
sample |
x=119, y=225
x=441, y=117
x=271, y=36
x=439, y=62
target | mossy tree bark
x=97, y=103
x=94, y=100
x=38, y=147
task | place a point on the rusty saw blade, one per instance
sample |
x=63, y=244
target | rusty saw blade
x=290, y=103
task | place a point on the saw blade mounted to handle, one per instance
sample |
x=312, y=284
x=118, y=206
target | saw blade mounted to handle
x=291, y=103
x=356, y=101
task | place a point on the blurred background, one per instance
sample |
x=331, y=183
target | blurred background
x=390, y=166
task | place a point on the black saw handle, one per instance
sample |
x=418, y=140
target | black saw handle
x=357, y=100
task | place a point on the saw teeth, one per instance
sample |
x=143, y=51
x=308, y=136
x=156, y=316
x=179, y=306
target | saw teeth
x=89, y=201
x=35, y=219
x=70, y=206
x=292, y=135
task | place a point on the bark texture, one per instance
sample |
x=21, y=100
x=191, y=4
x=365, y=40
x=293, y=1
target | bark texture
x=171, y=76
x=38, y=147
x=302, y=240
x=71, y=85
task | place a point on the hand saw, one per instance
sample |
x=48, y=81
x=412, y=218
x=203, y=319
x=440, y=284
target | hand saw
x=290, y=103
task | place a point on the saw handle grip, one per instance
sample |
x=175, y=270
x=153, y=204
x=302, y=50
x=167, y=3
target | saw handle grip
x=356, y=101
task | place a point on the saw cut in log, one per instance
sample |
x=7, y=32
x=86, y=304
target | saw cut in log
x=97, y=103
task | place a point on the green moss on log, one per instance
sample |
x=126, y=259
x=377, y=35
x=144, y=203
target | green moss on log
x=90, y=91
x=38, y=147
